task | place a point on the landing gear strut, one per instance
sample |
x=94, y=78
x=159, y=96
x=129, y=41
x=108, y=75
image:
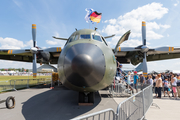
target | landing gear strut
x=86, y=97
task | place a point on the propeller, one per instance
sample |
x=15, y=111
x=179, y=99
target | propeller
x=34, y=50
x=144, y=49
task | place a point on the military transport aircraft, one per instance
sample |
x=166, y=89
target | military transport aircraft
x=86, y=63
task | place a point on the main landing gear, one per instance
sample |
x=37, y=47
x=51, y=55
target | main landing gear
x=86, y=98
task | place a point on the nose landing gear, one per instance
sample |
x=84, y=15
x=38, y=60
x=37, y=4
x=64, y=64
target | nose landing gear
x=86, y=98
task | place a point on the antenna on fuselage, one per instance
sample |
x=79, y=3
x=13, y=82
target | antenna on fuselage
x=95, y=28
x=76, y=29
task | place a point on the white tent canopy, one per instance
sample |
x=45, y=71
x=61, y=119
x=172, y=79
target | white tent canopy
x=46, y=69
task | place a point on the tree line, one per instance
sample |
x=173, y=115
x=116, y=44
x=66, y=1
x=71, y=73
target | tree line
x=14, y=69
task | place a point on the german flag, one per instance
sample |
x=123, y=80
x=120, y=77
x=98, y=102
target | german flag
x=95, y=17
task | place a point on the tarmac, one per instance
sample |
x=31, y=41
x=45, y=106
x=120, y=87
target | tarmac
x=62, y=104
x=46, y=104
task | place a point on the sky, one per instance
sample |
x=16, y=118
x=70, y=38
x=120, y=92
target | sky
x=60, y=18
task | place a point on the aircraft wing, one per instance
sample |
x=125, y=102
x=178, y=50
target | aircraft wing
x=26, y=55
x=161, y=55
x=135, y=55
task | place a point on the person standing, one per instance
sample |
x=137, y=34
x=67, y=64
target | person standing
x=150, y=80
x=159, y=85
x=136, y=81
x=178, y=85
x=142, y=81
x=129, y=82
x=170, y=79
x=155, y=88
x=166, y=86
x=174, y=85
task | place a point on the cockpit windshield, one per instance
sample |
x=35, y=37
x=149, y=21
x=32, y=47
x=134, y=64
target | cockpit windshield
x=94, y=36
x=85, y=36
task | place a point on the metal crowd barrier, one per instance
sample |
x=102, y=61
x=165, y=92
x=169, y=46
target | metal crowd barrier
x=119, y=89
x=22, y=83
x=107, y=114
x=133, y=108
x=136, y=106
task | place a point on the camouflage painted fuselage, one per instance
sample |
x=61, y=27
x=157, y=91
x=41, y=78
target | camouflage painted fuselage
x=86, y=63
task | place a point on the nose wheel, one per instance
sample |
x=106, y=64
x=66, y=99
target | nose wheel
x=86, y=99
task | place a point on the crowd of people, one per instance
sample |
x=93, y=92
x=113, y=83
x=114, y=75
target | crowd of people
x=166, y=83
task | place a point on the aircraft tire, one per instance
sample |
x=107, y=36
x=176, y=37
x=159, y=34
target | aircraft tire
x=91, y=97
x=81, y=97
x=8, y=100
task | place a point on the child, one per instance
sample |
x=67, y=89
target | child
x=166, y=86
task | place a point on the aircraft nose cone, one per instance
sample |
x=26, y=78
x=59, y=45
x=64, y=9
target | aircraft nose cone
x=84, y=65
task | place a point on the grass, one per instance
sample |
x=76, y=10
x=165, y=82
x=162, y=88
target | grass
x=19, y=82
x=5, y=78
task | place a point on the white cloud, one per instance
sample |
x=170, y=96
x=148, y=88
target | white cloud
x=11, y=43
x=133, y=21
x=112, y=21
x=176, y=3
x=50, y=42
x=60, y=43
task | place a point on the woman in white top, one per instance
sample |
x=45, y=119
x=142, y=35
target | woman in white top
x=174, y=85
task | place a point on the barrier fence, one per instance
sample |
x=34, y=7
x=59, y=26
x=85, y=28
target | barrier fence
x=107, y=114
x=133, y=108
x=122, y=89
x=22, y=83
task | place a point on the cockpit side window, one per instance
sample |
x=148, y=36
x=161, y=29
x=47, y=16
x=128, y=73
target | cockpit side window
x=71, y=38
x=97, y=37
x=76, y=37
x=85, y=36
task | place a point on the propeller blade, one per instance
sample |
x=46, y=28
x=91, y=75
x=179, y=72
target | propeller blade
x=145, y=66
x=18, y=51
x=144, y=32
x=34, y=54
x=164, y=49
x=34, y=34
x=127, y=49
x=34, y=66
